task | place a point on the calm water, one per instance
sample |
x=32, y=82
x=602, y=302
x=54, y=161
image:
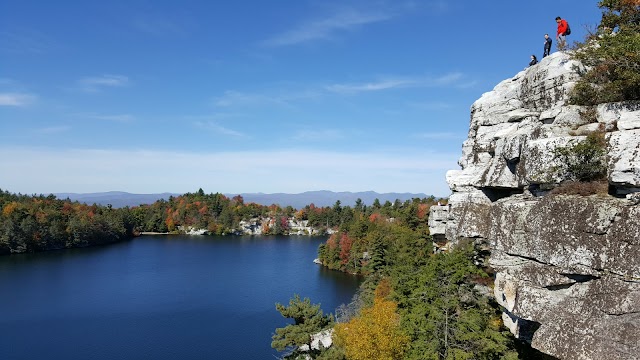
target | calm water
x=173, y=297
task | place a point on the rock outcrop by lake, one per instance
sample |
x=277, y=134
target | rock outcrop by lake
x=567, y=266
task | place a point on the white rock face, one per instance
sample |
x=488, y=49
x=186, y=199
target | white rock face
x=438, y=216
x=626, y=115
x=190, y=230
x=624, y=158
x=324, y=337
x=568, y=267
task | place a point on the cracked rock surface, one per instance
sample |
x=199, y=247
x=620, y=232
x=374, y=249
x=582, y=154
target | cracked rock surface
x=567, y=266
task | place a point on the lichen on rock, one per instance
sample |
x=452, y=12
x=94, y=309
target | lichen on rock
x=567, y=266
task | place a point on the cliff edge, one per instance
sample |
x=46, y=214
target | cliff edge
x=567, y=266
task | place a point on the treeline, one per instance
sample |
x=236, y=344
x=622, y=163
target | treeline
x=413, y=304
x=219, y=214
x=39, y=223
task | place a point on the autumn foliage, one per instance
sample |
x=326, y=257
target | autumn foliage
x=39, y=223
x=375, y=334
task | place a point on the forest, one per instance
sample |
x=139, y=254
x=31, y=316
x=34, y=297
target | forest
x=416, y=302
x=32, y=223
x=39, y=223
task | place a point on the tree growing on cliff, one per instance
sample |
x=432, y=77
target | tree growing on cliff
x=612, y=55
x=308, y=320
x=583, y=161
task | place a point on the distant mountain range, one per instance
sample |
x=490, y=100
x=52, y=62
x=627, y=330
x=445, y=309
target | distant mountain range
x=298, y=201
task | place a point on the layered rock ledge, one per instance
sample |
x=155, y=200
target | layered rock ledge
x=567, y=266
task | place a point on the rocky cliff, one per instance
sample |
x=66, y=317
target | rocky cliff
x=567, y=266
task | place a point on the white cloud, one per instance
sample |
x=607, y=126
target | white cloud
x=371, y=86
x=95, y=83
x=326, y=28
x=467, y=85
x=16, y=99
x=156, y=24
x=397, y=82
x=440, y=136
x=431, y=105
x=232, y=98
x=24, y=41
x=284, y=170
x=216, y=128
x=237, y=98
x=53, y=129
x=318, y=135
x=117, y=118
x=288, y=96
x=445, y=80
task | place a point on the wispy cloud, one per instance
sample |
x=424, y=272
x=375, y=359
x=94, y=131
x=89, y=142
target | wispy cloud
x=16, y=99
x=217, y=128
x=24, y=42
x=439, y=6
x=117, y=118
x=53, y=129
x=371, y=86
x=232, y=97
x=444, y=80
x=327, y=27
x=156, y=24
x=289, y=95
x=394, y=83
x=430, y=105
x=439, y=136
x=96, y=83
x=235, y=98
x=467, y=85
x=318, y=135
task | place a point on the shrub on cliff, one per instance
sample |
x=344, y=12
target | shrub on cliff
x=612, y=54
x=584, y=160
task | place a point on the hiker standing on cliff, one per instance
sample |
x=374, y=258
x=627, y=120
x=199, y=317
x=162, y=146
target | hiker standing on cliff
x=534, y=60
x=547, y=45
x=563, y=30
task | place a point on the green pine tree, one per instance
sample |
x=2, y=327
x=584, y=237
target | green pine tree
x=308, y=320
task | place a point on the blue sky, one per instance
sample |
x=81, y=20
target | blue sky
x=254, y=96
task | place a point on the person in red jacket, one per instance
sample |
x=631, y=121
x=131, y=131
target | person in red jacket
x=560, y=35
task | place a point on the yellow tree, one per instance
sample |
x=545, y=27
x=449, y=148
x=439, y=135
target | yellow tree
x=374, y=335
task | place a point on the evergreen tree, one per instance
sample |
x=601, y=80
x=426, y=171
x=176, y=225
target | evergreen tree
x=308, y=320
x=613, y=55
x=445, y=317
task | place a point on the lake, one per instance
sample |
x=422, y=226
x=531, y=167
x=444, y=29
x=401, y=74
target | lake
x=160, y=297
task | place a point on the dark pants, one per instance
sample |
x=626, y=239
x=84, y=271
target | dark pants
x=547, y=51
